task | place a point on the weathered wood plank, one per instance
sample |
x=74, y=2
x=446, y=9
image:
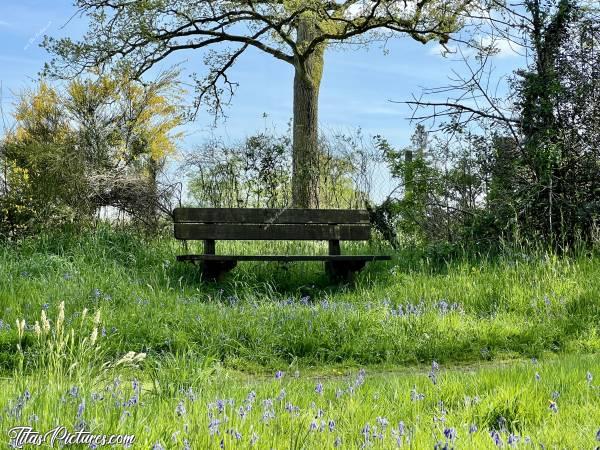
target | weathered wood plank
x=274, y=216
x=311, y=232
x=283, y=258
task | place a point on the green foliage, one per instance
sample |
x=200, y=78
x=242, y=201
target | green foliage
x=95, y=143
x=288, y=411
x=258, y=171
x=85, y=369
x=268, y=315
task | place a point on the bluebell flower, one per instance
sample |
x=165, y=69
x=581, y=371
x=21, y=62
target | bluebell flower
x=496, y=438
x=313, y=426
x=186, y=445
x=278, y=375
x=382, y=422
x=598, y=435
x=81, y=408
x=512, y=440
x=253, y=439
x=588, y=377
x=538, y=377
x=281, y=395
x=180, y=409
x=450, y=433
x=337, y=442
x=331, y=425
x=190, y=394
x=555, y=395
x=213, y=426
x=401, y=428
x=416, y=396
x=472, y=428
x=553, y=407
x=319, y=388
x=432, y=377
x=366, y=431
x=74, y=391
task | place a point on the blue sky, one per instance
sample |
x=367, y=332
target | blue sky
x=356, y=88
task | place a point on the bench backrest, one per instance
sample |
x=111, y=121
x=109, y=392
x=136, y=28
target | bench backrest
x=271, y=224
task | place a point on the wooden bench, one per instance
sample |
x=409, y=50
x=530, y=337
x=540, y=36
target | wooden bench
x=332, y=225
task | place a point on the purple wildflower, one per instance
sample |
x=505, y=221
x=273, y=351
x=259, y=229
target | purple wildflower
x=513, y=440
x=432, y=376
x=496, y=438
x=81, y=408
x=538, y=377
x=281, y=395
x=158, y=446
x=213, y=426
x=319, y=388
x=278, y=375
x=450, y=433
x=382, y=422
x=331, y=425
x=337, y=442
x=415, y=396
x=589, y=377
x=553, y=407
x=313, y=426
x=472, y=428
x=180, y=409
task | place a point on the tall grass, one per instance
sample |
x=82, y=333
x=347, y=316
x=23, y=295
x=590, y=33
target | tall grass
x=267, y=315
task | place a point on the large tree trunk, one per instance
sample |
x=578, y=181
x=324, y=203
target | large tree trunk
x=305, y=149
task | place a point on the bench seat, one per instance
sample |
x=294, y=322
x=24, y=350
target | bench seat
x=240, y=224
x=283, y=258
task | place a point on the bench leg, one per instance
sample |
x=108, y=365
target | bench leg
x=216, y=270
x=343, y=270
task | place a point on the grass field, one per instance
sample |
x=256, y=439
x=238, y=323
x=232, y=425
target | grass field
x=482, y=319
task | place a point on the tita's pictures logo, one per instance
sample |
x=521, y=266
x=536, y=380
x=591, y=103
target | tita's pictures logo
x=60, y=436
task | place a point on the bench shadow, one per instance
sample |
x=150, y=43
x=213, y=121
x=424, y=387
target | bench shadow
x=297, y=279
